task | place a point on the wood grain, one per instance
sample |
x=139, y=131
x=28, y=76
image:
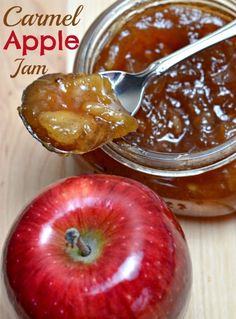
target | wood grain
x=26, y=168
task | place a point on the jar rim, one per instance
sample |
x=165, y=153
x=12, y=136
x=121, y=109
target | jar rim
x=151, y=162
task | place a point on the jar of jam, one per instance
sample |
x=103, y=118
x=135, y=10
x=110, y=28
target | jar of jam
x=185, y=146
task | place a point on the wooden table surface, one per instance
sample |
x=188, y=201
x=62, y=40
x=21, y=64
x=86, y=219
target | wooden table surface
x=26, y=168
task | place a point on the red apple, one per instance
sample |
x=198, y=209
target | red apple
x=131, y=261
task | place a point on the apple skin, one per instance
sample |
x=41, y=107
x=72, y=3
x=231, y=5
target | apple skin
x=139, y=266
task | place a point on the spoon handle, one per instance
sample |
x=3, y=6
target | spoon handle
x=159, y=67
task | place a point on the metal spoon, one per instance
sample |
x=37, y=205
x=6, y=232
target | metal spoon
x=129, y=87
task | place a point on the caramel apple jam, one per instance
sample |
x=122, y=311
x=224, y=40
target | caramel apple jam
x=191, y=108
x=74, y=112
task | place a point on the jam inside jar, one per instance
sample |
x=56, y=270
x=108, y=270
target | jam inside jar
x=184, y=148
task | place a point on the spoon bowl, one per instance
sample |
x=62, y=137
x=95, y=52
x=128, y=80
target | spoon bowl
x=128, y=88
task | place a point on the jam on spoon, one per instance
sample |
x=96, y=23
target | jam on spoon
x=74, y=113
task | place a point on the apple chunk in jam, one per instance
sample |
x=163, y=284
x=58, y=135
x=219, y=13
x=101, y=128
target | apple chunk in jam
x=74, y=112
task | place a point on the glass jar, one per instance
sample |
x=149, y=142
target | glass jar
x=196, y=184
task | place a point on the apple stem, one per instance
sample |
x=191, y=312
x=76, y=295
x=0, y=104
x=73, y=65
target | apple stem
x=73, y=238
